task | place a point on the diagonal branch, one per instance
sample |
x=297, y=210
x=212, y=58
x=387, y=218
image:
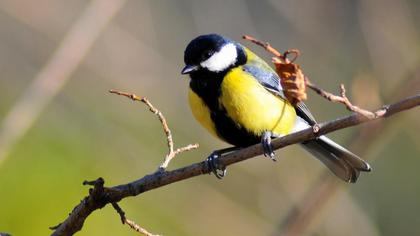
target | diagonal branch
x=98, y=199
x=322, y=192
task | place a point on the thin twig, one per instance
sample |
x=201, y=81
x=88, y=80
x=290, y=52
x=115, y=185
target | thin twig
x=323, y=190
x=131, y=223
x=265, y=45
x=171, y=152
x=282, y=56
x=291, y=76
x=75, y=220
x=155, y=111
x=189, y=147
x=139, y=229
x=171, y=155
x=162, y=167
x=340, y=99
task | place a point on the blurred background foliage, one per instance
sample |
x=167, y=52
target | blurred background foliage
x=83, y=132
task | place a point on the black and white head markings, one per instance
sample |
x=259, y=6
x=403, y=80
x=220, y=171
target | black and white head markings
x=221, y=60
x=213, y=53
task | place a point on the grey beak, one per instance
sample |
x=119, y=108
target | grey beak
x=189, y=68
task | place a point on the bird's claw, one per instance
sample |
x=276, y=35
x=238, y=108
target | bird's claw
x=214, y=166
x=267, y=147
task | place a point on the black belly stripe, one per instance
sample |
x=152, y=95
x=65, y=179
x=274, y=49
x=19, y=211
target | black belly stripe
x=207, y=87
x=232, y=132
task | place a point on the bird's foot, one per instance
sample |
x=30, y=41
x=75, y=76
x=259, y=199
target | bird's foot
x=213, y=161
x=266, y=144
x=214, y=166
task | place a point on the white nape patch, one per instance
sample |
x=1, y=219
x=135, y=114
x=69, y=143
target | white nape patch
x=300, y=124
x=222, y=59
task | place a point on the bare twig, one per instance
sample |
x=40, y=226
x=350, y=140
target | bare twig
x=131, y=223
x=171, y=152
x=154, y=111
x=292, y=79
x=265, y=45
x=186, y=148
x=75, y=220
x=292, y=85
x=139, y=229
x=340, y=99
x=322, y=192
x=169, y=156
x=275, y=52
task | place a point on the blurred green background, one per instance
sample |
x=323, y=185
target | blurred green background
x=83, y=132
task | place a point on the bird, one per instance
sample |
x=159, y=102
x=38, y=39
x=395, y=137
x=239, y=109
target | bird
x=238, y=98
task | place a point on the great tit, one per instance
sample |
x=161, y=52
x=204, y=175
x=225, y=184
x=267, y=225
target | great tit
x=238, y=98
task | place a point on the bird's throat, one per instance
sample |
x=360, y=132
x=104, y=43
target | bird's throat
x=207, y=86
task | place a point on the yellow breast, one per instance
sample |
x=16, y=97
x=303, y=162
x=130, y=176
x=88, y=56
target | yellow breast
x=201, y=112
x=251, y=106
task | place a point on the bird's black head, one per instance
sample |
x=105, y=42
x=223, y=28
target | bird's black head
x=212, y=53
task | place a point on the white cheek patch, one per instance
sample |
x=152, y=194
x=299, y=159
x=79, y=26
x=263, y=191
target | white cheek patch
x=222, y=59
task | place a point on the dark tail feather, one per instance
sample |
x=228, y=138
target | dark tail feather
x=339, y=160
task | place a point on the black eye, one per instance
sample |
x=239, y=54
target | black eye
x=207, y=54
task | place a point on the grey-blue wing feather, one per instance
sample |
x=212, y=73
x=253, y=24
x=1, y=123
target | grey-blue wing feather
x=339, y=160
x=268, y=78
x=265, y=76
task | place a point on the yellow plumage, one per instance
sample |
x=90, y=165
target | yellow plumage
x=201, y=112
x=237, y=97
x=247, y=103
x=253, y=107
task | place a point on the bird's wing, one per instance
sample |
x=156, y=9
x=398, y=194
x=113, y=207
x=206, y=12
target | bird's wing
x=269, y=79
x=265, y=76
x=303, y=111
